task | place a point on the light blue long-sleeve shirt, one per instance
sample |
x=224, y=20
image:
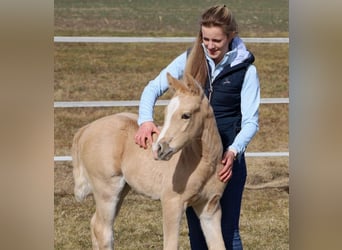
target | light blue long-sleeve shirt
x=250, y=92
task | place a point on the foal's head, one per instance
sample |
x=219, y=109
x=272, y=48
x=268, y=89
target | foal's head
x=184, y=117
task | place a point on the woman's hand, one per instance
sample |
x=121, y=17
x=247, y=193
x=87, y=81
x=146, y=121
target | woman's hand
x=144, y=135
x=226, y=172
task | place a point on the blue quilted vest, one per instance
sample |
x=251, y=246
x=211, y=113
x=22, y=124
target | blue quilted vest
x=225, y=98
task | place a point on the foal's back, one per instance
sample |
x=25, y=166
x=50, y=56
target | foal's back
x=108, y=149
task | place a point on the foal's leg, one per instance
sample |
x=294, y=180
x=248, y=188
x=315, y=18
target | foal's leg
x=122, y=196
x=210, y=218
x=172, y=215
x=107, y=196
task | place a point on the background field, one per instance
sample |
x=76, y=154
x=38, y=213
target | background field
x=120, y=71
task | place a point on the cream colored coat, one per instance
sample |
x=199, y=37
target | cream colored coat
x=181, y=170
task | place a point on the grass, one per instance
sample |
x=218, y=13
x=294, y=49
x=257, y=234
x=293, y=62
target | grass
x=163, y=18
x=263, y=222
x=106, y=71
x=120, y=72
x=261, y=226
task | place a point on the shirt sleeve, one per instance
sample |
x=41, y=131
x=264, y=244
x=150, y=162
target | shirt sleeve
x=250, y=101
x=158, y=86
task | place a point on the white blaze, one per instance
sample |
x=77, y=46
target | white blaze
x=171, y=109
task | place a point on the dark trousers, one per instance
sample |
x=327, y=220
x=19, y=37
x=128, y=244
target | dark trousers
x=230, y=205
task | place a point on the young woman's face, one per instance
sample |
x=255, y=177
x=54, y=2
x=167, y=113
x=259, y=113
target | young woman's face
x=216, y=42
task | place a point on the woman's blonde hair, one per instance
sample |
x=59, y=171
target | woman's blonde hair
x=220, y=16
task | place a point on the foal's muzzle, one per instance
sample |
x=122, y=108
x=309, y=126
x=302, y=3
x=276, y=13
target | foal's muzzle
x=162, y=151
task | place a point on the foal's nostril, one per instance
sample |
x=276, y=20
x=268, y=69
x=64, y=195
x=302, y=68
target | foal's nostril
x=159, y=149
x=163, y=151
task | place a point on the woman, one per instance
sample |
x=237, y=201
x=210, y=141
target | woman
x=220, y=61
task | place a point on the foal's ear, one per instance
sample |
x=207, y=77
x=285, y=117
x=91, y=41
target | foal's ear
x=175, y=84
x=193, y=85
x=189, y=85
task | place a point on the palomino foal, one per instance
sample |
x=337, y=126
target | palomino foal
x=181, y=170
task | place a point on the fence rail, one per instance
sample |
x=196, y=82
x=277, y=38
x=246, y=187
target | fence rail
x=132, y=103
x=95, y=39
x=247, y=154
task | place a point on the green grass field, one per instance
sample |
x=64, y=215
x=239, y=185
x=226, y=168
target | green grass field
x=97, y=72
x=164, y=18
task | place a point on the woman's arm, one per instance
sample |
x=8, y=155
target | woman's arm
x=158, y=87
x=250, y=100
x=152, y=91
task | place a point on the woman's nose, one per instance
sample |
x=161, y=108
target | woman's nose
x=211, y=45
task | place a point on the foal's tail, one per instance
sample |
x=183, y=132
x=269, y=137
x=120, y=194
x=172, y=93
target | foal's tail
x=82, y=186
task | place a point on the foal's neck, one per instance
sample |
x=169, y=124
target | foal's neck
x=211, y=140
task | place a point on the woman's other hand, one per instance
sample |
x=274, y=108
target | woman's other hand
x=226, y=172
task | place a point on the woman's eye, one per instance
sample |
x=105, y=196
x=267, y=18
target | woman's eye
x=186, y=116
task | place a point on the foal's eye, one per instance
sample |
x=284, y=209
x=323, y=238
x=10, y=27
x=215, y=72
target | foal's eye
x=186, y=116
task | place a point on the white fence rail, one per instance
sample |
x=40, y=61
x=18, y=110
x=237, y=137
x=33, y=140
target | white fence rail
x=110, y=39
x=93, y=39
x=247, y=154
x=88, y=104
